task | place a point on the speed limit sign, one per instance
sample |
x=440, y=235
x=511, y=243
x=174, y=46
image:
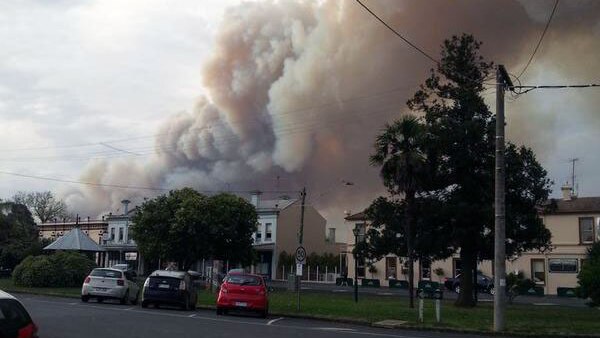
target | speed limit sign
x=300, y=255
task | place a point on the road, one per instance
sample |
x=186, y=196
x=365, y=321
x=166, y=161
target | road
x=69, y=318
x=387, y=292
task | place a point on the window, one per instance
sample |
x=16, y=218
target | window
x=331, y=235
x=456, y=267
x=426, y=269
x=567, y=265
x=405, y=267
x=538, y=271
x=112, y=234
x=586, y=230
x=390, y=268
x=120, y=234
x=258, y=237
x=268, y=231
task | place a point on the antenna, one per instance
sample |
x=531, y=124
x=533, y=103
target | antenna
x=573, y=184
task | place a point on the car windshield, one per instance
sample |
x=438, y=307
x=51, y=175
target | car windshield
x=106, y=273
x=12, y=316
x=243, y=280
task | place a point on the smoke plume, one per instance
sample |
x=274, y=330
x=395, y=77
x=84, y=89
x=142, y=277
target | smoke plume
x=297, y=91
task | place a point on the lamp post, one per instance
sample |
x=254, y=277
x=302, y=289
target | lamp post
x=356, y=232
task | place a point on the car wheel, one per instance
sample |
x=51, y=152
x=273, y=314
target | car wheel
x=144, y=304
x=219, y=311
x=457, y=289
x=125, y=298
x=85, y=298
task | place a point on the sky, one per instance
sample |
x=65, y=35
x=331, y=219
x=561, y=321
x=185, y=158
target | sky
x=269, y=95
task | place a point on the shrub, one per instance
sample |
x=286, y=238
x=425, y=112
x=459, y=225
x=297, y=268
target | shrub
x=61, y=269
x=589, y=276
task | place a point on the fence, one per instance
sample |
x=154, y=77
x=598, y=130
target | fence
x=310, y=273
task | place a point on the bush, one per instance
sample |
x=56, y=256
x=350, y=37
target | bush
x=61, y=269
x=589, y=276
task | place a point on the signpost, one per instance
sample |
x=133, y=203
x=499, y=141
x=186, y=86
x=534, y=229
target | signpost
x=300, y=260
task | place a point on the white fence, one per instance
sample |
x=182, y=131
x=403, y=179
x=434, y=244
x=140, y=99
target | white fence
x=310, y=273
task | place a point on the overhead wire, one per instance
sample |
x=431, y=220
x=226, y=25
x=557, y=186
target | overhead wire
x=540, y=40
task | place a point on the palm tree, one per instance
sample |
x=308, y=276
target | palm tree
x=399, y=153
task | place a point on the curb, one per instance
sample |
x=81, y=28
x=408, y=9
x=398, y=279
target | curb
x=361, y=322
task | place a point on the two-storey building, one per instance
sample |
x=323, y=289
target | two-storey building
x=277, y=231
x=574, y=223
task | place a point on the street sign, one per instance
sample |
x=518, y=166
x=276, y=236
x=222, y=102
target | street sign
x=299, y=269
x=300, y=255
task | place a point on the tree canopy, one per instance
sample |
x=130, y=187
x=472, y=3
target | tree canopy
x=185, y=226
x=42, y=204
x=453, y=205
x=18, y=235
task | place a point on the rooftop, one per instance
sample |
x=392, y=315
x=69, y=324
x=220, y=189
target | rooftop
x=574, y=205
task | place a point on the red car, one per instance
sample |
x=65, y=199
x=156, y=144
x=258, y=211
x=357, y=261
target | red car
x=243, y=292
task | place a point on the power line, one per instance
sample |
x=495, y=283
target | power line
x=525, y=89
x=120, y=186
x=398, y=34
x=414, y=46
x=541, y=38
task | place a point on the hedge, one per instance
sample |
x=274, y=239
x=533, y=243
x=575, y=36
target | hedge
x=61, y=269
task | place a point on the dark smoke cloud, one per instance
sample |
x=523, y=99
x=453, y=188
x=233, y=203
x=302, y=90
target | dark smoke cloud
x=298, y=90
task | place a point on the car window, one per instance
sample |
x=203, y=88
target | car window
x=164, y=283
x=243, y=280
x=12, y=317
x=106, y=273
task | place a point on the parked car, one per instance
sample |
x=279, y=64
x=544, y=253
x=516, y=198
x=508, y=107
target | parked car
x=485, y=284
x=105, y=283
x=243, y=292
x=170, y=287
x=15, y=322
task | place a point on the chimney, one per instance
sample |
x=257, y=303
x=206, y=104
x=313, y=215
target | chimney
x=567, y=192
x=125, y=206
x=255, y=198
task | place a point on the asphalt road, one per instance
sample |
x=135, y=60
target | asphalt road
x=67, y=318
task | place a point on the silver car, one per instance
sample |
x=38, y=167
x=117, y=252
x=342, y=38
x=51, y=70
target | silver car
x=103, y=283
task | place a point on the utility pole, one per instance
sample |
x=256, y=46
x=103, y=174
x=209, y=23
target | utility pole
x=502, y=82
x=300, y=238
x=303, y=196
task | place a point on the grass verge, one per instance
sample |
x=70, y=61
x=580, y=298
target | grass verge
x=521, y=319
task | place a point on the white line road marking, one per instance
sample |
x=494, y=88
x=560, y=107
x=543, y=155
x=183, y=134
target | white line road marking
x=334, y=329
x=73, y=303
x=192, y=315
x=270, y=322
x=128, y=309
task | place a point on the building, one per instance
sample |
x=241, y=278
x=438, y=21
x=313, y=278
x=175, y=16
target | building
x=94, y=228
x=111, y=232
x=278, y=228
x=574, y=224
x=120, y=247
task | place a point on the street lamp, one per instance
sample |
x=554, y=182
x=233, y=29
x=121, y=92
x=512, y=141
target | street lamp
x=356, y=232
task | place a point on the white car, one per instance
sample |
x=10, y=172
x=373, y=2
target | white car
x=104, y=283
